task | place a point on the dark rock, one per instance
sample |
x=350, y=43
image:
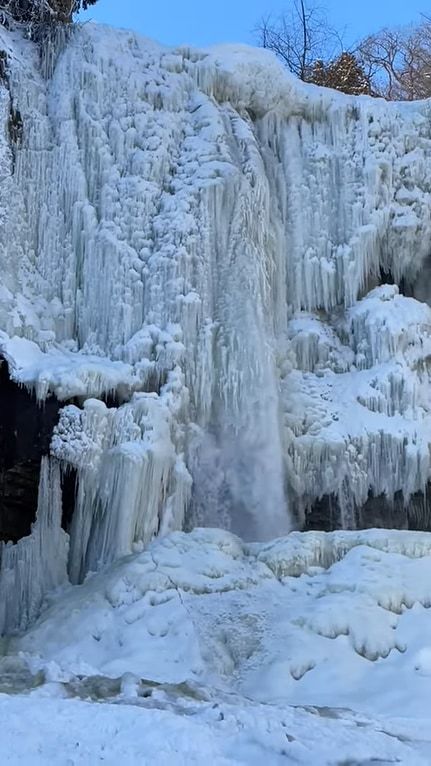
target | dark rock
x=381, y=512
x=25, y=435
x=69, y=486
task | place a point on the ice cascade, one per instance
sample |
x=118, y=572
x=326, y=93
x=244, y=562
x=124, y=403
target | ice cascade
x=222, y=273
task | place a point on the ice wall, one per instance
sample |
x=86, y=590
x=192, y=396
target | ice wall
x=202, y=238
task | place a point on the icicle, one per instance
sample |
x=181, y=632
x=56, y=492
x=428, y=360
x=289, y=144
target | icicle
x=132, y=483
x=35, y=564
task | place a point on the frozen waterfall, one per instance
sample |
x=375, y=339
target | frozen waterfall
x=194, y=254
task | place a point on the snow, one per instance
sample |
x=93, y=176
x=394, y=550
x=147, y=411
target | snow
x=357, y=405
x=275, y=621
x=219, y=733
x=313, y=648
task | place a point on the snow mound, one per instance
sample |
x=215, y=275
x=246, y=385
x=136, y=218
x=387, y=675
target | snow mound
x=329, y=619
x=313, y=648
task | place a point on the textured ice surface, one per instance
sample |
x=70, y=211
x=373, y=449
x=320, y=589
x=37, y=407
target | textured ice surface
x=357, y=403
x=132, y=481
x=200, y=237
x=202, y=241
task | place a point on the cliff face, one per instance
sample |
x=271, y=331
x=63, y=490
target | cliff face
x=226, y=271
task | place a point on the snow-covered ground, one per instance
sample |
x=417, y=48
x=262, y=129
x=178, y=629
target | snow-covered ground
x=221, y=731
x=311, y=649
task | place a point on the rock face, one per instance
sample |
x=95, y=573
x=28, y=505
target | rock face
x=26, y=428
x=379, y=512
x=206, y=244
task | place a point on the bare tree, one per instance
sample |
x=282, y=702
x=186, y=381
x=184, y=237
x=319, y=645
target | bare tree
x=398, y=61
x=393, y=63
x=300, y=37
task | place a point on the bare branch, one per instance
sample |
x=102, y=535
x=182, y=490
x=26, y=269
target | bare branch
x=299, y=37
x=400, y=61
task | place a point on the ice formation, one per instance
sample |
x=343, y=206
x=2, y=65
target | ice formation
x=203, y=242
x=38, y=563
x=132, y=483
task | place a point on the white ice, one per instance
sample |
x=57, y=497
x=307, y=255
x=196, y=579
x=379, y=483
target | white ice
x=200, y=238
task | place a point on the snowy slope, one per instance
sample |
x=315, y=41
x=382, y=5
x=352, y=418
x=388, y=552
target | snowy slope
x=315, y=618
x=311, y=649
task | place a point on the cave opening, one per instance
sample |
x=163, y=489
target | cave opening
x=387, y=278
x=26, y=427
x=378, y=511
x=25, y=434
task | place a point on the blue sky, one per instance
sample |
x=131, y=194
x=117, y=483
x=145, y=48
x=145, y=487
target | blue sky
x=203, y=22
